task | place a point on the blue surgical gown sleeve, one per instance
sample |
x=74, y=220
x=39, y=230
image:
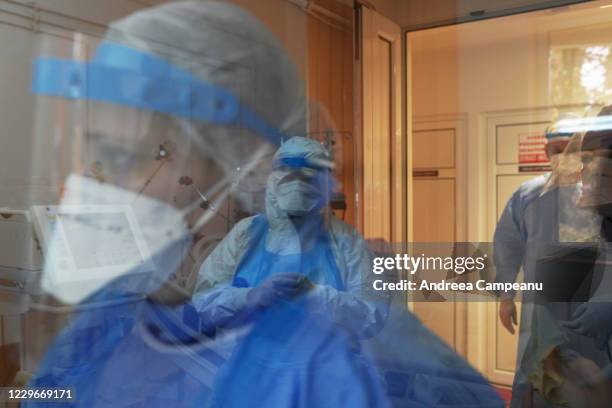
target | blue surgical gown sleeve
x=509, y=241
x=358, y=308
x=355, y=307
x=216, y=300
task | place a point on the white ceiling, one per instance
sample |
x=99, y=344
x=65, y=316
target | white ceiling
x=412, y=14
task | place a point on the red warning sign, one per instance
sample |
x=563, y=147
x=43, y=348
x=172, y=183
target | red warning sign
x=532, y=148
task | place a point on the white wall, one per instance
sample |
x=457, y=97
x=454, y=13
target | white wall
x=288, y=22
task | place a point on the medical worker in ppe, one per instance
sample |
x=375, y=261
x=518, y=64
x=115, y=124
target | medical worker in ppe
x=511, y=233
x=513, y=230
x=542, y=213
x=302, y=279
x=175, y=104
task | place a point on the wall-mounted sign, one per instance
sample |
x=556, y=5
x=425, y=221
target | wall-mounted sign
x=532, y=148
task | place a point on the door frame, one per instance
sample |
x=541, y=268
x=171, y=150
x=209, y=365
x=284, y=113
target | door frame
x=370, y=26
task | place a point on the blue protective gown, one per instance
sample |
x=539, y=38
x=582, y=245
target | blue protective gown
x=296, y=356
x=533, y=224
x=121, y=350
x=336, y=344
x=292, y=356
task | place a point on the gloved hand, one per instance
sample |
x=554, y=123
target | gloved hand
x=593, y=319
x=277, y=287
x=507, y=314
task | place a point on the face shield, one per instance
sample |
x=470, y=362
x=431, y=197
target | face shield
x=304, y=172
x=142, y=155
x=565, y=163
x=303, y=187
x=301, y=181
x=576, y=223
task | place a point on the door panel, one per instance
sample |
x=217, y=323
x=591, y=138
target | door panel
x=437, y=216
x=436, y=149
x=434, y=209
x=380, y=197
x=434, y=221
x=383, y=162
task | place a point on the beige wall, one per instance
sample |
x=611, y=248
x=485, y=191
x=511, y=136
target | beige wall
x=320, y=43
x=288, y=22
x=487, y=66
x=387, y=8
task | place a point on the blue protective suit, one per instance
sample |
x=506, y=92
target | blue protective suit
x=533, y=225
x=299, y=351
x=296, y=354
x=336, y=345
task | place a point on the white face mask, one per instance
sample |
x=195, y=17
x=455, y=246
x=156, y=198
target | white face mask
x=103, y=235
x=297, y=197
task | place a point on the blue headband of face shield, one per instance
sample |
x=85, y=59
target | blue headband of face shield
x=553, y=134
x=124, y=76
x=299, y=163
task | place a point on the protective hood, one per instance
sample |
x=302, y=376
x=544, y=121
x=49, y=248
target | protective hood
x=301, y=150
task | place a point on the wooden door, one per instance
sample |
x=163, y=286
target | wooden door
x=384, y=185
x=438, y=211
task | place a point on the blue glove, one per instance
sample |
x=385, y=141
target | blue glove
x=278, y=287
